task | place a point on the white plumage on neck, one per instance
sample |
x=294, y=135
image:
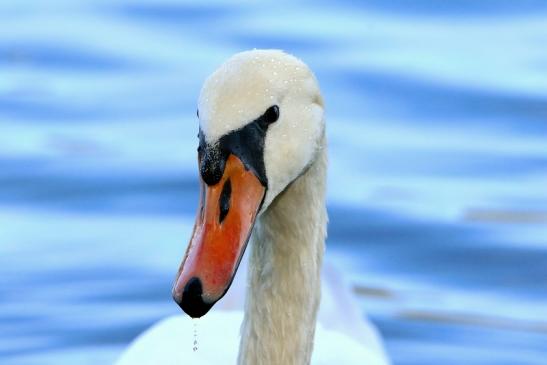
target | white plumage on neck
x=284, y=273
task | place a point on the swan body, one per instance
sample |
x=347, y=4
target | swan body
x=170, y=342
x=342, y=336
x=263, y=162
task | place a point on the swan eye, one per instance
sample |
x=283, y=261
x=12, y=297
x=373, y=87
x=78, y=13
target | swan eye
x=197, y=113
x=271, y=115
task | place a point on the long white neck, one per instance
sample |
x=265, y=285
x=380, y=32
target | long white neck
x=284, y=286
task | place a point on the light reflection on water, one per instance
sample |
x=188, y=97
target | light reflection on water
x=437, y=129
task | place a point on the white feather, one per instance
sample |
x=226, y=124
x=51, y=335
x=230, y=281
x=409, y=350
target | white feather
x=278, y=324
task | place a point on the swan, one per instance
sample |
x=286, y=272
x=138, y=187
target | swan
x=262, y=160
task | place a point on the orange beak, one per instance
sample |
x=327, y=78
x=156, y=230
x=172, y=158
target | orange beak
x=225, y=218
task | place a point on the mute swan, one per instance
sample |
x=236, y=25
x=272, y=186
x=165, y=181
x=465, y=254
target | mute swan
x=262, y=159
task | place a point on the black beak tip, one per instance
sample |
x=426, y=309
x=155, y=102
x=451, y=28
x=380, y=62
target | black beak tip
x=191, y=301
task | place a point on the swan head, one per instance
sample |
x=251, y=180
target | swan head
x=260, y=127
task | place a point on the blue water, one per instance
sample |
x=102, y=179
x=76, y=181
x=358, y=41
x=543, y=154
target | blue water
x=437, y=123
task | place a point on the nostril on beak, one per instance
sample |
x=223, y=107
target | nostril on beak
x=191, y=300
x=224, y=200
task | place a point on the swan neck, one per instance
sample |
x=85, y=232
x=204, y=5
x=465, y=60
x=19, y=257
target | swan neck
x=284, y=287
